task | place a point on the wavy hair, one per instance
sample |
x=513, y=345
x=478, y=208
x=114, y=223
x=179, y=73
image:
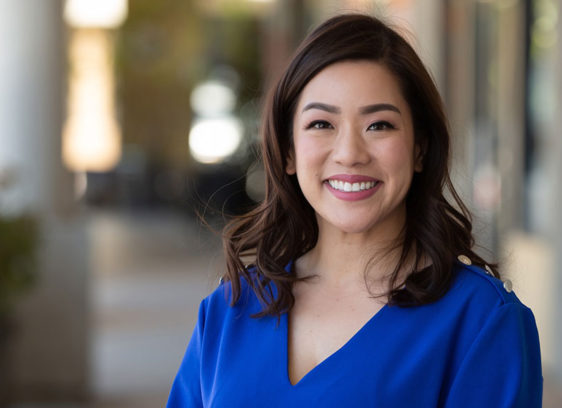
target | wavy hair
x=283, y=226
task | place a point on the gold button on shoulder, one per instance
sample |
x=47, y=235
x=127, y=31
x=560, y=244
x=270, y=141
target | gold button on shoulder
x=507, y=285
x=464, y=259
x=488, y=270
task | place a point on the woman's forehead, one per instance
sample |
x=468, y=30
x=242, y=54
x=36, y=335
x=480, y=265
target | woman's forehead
x=353, y=84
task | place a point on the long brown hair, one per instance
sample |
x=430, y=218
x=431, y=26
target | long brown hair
x=283, y=227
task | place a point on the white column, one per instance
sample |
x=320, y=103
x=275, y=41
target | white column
x=49, y=358
x=428, y=25
x=30, y=95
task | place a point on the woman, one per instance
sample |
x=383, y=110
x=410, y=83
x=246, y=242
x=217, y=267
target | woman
x=364, y=289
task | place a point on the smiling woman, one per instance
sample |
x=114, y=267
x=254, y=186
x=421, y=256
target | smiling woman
x=356, y=134
x=364, y=282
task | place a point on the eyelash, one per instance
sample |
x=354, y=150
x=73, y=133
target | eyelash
x=380, y=125
x=315, y=125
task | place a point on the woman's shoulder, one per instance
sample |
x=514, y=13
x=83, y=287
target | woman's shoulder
x=480, y=284
x=476, y=293
x=495, y=339
x=473, y=298
x=220, y=300
x=477, y=311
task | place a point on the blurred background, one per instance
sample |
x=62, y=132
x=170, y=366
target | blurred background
x=120, y=121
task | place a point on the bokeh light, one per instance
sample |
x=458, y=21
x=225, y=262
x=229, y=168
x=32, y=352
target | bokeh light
x=213, y=140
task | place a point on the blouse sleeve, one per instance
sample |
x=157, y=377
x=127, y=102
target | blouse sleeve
x=502, y=368
x=186, y=388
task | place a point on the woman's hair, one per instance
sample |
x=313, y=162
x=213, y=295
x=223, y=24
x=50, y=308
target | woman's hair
x=283, y=226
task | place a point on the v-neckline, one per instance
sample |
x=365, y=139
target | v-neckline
x=352, y=339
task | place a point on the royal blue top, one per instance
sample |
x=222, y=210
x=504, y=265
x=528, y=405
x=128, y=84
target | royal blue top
x=477, y=346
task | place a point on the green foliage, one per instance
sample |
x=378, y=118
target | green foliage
x=18, y=243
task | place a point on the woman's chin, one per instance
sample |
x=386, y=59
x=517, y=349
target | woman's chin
x=349, y=227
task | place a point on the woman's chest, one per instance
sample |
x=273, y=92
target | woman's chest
x=317, y=330
x=395, y=350
x=374, y=368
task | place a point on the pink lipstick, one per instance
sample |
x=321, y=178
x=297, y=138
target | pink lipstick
x=351, y=187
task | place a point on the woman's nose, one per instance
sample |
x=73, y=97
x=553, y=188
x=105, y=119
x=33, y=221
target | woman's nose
x=350, y=149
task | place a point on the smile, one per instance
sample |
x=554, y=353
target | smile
x=352, y=187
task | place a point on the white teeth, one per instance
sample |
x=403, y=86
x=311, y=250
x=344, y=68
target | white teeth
x=349, y=187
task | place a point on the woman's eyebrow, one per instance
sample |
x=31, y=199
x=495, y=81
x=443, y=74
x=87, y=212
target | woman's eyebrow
x=322, y=106
x=379, y=107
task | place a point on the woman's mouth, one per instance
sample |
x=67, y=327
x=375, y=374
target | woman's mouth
x=349, y=187
x=346, y=186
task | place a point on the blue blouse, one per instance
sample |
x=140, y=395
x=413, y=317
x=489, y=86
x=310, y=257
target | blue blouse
x=477, y=346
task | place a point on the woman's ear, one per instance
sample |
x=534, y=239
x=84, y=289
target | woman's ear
x=291, y=168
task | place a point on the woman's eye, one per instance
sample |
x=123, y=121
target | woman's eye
x=319, y=124
x=381, y=125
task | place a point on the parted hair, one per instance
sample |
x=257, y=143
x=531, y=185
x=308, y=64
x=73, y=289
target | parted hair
x=283, y=226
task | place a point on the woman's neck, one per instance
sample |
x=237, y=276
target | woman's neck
x=342, y=259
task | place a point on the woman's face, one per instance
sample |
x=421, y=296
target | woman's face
x=354, y=153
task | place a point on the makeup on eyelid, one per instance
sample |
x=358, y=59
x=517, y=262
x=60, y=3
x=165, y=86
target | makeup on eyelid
x=324, y=124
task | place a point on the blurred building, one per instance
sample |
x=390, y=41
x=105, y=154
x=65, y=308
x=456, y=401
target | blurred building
x=165, y=73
